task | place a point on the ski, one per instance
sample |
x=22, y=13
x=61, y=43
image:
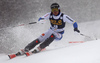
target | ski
x=33, y=52
x=11, y=56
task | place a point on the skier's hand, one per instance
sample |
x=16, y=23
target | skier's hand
x=40, y=19
x=76, y=30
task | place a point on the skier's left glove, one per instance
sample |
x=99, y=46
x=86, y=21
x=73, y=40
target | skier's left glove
x=76, y=30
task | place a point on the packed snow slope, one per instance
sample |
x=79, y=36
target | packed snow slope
x=59, y=51
x=88, y=52
x=15, y=38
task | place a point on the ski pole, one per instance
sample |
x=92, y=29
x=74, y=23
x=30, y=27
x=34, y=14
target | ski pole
x=28, y=23
x=33, y=23
x=86, y=36
x=19, y=25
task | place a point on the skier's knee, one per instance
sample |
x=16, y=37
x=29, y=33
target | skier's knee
x=59, y=38
x=31, y=45
x=47, y=41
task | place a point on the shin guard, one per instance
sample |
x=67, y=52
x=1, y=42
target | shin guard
x=31, y=45
x=47, y=42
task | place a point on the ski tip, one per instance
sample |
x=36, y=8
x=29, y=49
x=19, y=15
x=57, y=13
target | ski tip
x=11, y=56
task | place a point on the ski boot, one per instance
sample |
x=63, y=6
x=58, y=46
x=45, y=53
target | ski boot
x=37, y=50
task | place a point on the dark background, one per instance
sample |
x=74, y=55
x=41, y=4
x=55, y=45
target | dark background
x=24, y=11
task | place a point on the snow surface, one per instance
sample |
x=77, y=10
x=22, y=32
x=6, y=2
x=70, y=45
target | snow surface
x=88, y=52
x=59, y=51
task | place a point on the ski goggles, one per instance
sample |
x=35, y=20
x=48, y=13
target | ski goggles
x=55, y=9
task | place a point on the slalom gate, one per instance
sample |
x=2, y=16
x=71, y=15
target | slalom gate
x=76, y=42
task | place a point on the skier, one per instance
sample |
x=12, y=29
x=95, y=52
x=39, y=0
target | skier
x=56, y=31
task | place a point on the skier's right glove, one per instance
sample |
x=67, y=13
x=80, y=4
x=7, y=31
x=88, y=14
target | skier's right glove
x=76, y=30
x=40, y=19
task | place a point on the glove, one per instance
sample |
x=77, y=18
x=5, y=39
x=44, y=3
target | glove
x=76, y=30
x=40, y=19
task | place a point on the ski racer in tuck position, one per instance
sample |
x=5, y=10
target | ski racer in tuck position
x=56, y=31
